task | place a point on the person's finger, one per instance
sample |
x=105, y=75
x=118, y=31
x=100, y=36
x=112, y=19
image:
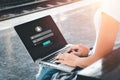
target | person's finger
x=72, y=48
x=68, y=50
x=59, y=61
x=63, y=62
x=76, y=53
x=59, y=56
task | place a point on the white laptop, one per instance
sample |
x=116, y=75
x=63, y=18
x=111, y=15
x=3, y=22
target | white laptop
x=43, y=41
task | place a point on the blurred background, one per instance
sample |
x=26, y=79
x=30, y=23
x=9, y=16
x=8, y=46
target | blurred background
x=76, y=26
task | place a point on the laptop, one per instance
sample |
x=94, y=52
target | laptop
x=43, y=41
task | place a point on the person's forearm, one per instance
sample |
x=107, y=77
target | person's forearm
x=85, y=61
x=107, y=35
x=105, y=42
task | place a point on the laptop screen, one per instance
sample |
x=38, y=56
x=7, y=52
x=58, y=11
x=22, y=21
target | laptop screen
x=41, y=37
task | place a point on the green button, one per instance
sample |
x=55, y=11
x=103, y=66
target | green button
x=46, y=43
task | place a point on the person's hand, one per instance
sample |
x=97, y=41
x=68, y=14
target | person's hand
x=79, y=50
x=68, y=59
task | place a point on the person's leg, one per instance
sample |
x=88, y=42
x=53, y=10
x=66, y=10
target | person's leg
x=46, y=73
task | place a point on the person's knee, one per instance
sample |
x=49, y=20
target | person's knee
x=45, y=73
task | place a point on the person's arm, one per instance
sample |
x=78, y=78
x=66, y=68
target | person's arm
x=105, y=42
x=78, y=50
x=106, y=38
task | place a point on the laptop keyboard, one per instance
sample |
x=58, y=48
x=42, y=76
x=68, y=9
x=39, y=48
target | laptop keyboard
x=51, y=58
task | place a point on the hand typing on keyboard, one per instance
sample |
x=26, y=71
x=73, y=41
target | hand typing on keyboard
x=72, y=55
x=78, y=50
x=67, y=59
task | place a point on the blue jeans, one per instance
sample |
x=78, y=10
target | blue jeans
x=46, y=73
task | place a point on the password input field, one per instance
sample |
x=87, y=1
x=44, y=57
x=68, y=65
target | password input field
x=42, y=38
